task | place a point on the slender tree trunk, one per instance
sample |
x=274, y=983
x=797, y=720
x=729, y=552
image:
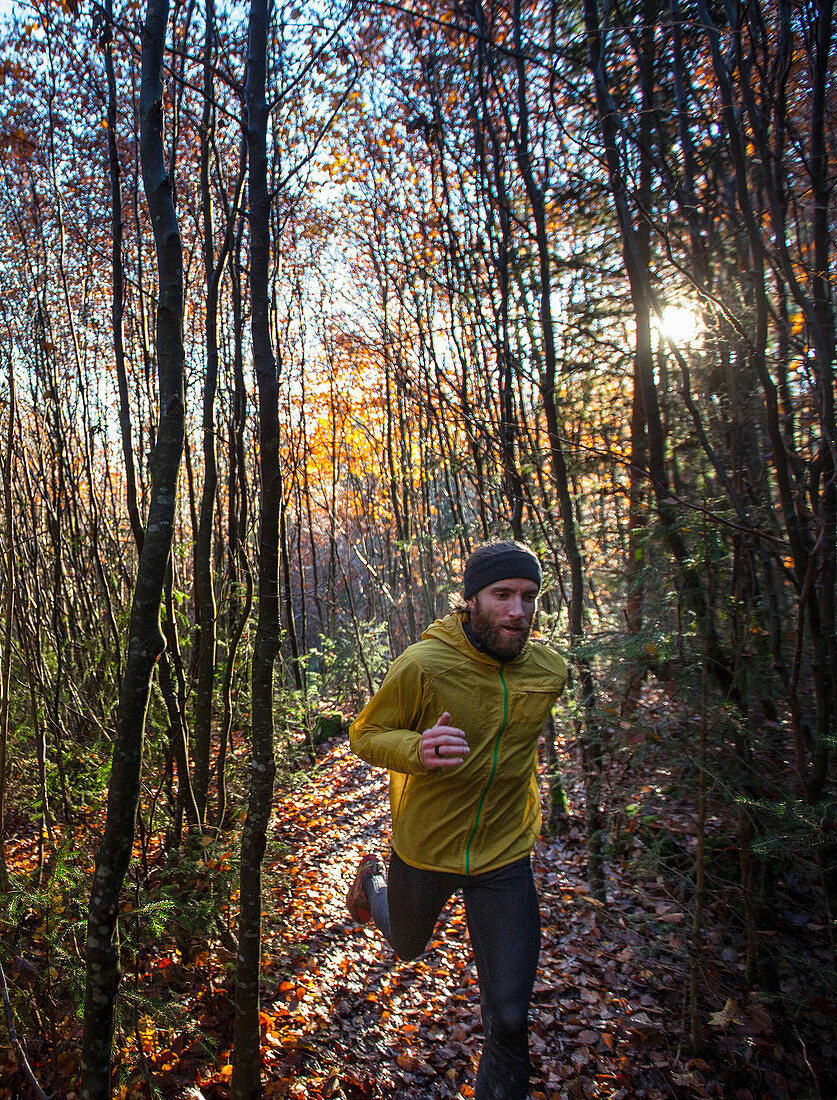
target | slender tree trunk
x=401, y=521
x=503, y=255
x=8, y=576
x=207, y=614
x=287, y=589
x=246, y=1084
x=173, y=687
x=557, y=820
x=696, y=948
x=239, y=564
x=145, y=640
x=118, y=276
x=589, y=729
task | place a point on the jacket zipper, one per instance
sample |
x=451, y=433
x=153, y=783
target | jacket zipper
x=491, y=774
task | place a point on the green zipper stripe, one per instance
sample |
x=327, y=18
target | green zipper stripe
x=493, y=769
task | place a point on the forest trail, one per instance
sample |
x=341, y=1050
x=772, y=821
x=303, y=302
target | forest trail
x=349, y=1020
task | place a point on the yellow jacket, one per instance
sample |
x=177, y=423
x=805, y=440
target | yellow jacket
x=485, y=812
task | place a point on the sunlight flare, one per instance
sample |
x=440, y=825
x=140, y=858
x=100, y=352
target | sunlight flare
x=680, y=324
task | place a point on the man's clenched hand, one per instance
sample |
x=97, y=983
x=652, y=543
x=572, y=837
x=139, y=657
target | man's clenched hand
x=442, y=745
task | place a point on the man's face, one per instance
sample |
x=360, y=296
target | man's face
x=501, y=616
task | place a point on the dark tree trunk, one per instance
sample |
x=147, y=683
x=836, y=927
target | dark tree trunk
x=240, y=572
x=145, y=640
x=589, y=729
x=246, y=1084
x=118, y=308
x=207, y=610
x=8, y=573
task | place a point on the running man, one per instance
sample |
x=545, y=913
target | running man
x=457, y=721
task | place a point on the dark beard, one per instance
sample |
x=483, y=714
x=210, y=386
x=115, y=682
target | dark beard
x=489, y=639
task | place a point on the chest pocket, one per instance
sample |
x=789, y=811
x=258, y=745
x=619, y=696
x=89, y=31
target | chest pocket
x=528, y=709
x=478, y=711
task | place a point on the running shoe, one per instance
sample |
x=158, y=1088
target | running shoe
x=356, y=900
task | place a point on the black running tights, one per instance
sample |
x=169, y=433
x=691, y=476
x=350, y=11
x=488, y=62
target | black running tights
x=501, y=908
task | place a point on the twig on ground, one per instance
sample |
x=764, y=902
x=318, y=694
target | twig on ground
x=20, y=1053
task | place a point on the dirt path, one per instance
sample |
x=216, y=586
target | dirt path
x=348, y=1019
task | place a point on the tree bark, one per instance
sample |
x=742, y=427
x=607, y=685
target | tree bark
x=207, y=616
x=8, y=575
x=246, y=1084
x=207, y=612
x=145, y=639
x=240, y=571
x=118, y=276
x=589, y=729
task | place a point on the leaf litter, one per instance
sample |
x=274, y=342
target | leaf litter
x=344, y=1018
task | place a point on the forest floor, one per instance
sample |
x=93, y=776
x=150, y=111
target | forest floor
x=342, y=1018
x=609, y=1014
